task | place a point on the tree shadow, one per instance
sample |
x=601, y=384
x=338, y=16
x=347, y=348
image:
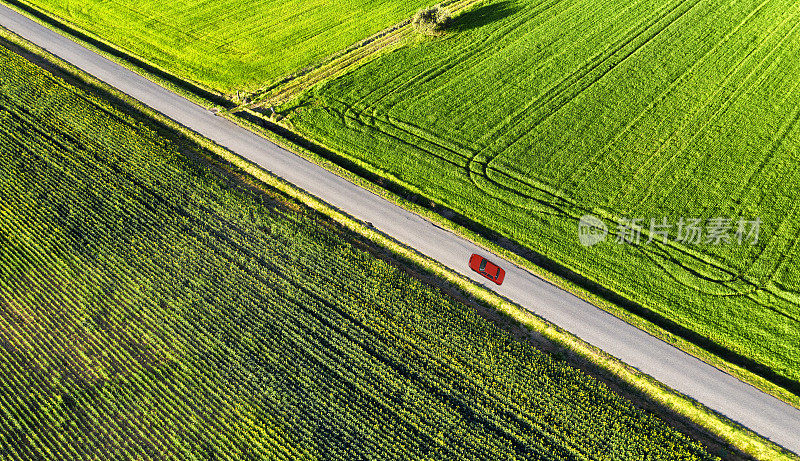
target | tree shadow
x=483, y=15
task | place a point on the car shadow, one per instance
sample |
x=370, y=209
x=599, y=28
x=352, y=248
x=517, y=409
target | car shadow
x=484, y=15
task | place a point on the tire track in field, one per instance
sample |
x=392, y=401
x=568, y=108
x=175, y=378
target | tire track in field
x=510, y=192
x=719, y=110
x=413, y=131
x=492, y=184
x=479, y=164
x=741, y=63
x=521, y=181
x=790, y=218
x=591, y=66
x=747, y=289
x=546, y=207
x=582, y=172
x=791, y=246
x=362, y=120
x=462, y=64
x=713, y=99
x=562, y=211
x=569, y=80
x=432, y=71
x=675, y=247
x=753, y=286
x=785, y=129
x=749, y=294
x=701, y=258
x=580, y=80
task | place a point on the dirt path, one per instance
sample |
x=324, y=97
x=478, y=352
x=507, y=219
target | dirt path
x=340, y=62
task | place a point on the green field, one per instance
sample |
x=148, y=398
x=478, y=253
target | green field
x=528, y=115
x=232, y=45
x=156, y=304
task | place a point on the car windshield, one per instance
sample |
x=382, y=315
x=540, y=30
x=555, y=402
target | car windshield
x=482, y=266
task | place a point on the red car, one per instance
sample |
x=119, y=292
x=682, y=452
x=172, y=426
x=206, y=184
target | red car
x=487, y=269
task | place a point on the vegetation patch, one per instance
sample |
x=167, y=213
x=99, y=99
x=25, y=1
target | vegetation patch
x=153, y=306
x=432, y=20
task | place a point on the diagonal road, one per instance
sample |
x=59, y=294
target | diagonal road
x=717, y=390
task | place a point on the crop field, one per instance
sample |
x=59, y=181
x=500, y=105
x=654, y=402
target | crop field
x=528, y=115
x=154, y=304
x=231, y=45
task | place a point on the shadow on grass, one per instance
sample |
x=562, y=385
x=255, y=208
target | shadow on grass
x=483, y=15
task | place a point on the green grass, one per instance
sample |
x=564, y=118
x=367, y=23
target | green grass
x=528, y=115
x=232, y=45
x=154, y=303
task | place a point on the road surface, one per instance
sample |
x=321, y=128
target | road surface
x=717, y=390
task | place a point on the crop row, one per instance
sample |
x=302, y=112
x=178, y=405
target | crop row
x=152, y=309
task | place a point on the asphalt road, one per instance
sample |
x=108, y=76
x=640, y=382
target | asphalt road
x=741, y=402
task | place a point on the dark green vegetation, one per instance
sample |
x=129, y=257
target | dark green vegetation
x=532, y=114
x=232, y=45
x=155, y=305
x=431, y=20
